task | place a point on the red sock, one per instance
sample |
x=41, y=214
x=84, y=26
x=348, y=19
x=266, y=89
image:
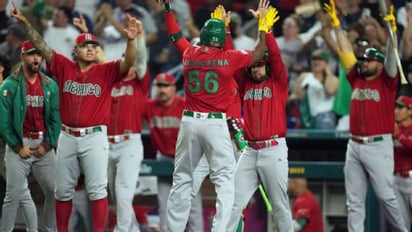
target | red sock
x=63, y=212
x=99, y=214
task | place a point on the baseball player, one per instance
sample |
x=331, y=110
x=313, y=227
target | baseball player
x=84, y=88
x=264, y=91
x=124, y=133
x=306, y=212
x=369, y=155
x=207, y=71
x=163, y=114
x=31, y=134
x=403, y=160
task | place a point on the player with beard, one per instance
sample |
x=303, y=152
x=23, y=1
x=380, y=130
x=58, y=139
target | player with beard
x=369, y=155
x=30, y=125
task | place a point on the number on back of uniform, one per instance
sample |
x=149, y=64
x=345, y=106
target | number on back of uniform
x=210, y=84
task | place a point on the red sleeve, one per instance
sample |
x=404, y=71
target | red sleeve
x=275, y=60
x=229, y=42
x=175, y=33
x=405, y=140
x=57, y=65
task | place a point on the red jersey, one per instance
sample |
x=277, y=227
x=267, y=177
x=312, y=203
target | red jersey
x=128, y=100
x=372, y=102
x=84, y=96
x=164, y=122
x=208, y=74
x=264, y=104
x=34, y=120
x=235, y=107
x=306, y=206
x=403, y=149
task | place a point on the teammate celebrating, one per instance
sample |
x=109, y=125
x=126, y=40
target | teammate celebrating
x=207, y=70
x=369, y=156
x=30, y=125
x=403, y=160
x=85, y=89
x=264, y=90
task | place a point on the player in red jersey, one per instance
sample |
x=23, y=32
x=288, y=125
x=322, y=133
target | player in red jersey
x=85, y=89
x=264, y=90
x=163, y=114
x=124, y=133
x=369, y=156
x=208, y=70
x=306, y=213
x=403, y=159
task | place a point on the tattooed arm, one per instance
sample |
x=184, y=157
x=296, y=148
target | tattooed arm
x=34, y=36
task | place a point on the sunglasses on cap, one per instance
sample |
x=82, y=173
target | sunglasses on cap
x=87, y=45
x=400, y=105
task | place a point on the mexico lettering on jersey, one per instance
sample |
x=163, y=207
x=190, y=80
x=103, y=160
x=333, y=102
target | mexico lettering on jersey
x=372, y=102
x=34, y=120
x=84, y=96
x=403, y=149
x=208, y=74
x=128, y=100
x=164, y=122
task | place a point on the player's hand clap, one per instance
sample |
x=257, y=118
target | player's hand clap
x=134, y=28
x=331, y=10
x=267, y=15
x=221, y=14
x=25, y=152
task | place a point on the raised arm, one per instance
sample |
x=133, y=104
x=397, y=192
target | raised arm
x=134, y=28
x=391, y=45
x=221, y=14
x=34, y=36
x=267, y=16
x=345, y=49
x=173, y=29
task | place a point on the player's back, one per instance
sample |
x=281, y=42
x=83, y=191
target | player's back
x=208, y=72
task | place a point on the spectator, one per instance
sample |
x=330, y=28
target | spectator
x=239, y=38
x=31, y=136
x=71, y=4
x=12, y=46
x=61, y=28
x=111, y=22
x=306, y=212
x=403, y=159
x=316, y=90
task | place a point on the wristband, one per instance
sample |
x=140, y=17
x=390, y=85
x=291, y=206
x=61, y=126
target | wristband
x=176, y=37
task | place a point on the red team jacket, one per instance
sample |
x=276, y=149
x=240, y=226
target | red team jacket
x=128, y=100
x=307, y=207
x=164, y=122
x=371, y=107
x=403, y=149
x=264, y=103
x=84, y=96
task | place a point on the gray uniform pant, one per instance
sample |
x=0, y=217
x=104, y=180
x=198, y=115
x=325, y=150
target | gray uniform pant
x=195, y=223
x=198, y=137
x=403, y=191
x=371, y=162
x=270, y=166
x=125, y=158
x=17, y=170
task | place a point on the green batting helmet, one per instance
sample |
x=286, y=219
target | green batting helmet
x=213, y=33
x=374, y=54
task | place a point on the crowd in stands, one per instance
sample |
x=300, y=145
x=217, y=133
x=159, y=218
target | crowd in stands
x=318, y=92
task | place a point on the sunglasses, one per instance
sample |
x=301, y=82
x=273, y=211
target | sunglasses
x=399, y=106
x=87, y=45
x=162, y=85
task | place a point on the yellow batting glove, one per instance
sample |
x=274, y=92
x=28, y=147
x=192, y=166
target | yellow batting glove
x=331, y=10
x=217, y=14
x=268, y=20
x=391, y=19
